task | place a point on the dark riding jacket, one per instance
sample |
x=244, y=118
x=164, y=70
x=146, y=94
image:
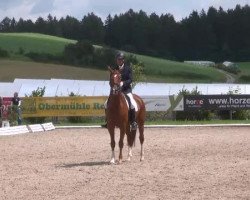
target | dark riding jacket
x=126, y=78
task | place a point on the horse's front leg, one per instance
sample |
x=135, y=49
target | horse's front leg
x=141, y=137
x=129, y=153
x=129, y=143
x=121, y=144
x=112, y=144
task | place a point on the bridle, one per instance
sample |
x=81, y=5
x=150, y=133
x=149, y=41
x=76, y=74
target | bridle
x=115, y=80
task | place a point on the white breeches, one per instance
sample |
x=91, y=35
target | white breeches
x=132, y=100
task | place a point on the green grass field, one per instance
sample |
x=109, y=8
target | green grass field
x=11, y=69
x=156, y=69
x=244, y=76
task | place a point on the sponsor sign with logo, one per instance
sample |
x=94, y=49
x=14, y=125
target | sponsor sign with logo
x=216, y=102
x=62, y=106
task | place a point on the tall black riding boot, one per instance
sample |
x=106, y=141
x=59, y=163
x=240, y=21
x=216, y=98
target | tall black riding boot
x=132, y=119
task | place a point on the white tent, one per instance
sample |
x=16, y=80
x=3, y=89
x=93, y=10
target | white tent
x=8, y=89
x=63, y=87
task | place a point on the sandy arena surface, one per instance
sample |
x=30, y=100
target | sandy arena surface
x=180, y=163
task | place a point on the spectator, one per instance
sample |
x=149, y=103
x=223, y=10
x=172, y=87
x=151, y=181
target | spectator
x=16, y=102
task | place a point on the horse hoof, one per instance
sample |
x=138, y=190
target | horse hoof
x=112, y=162
x=142, y=159
x=120, y=162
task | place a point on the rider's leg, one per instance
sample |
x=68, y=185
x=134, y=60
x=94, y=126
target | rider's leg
x=132, y=111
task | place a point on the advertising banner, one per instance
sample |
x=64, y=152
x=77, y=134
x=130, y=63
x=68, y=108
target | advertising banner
x=89, y=106
x=163, y=103
x=62, y=106
x=216, y=102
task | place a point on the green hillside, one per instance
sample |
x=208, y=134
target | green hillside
x=156, y=69
x=244, y=76
x=178, y=72
x=34, y=42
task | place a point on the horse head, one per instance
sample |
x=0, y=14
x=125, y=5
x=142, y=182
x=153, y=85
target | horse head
x=115, y=80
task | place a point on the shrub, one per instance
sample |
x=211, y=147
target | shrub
x=103, y=57
x=4, y=53
x=244, y=78
x=20, y=51
x=234, y=69
x=75, y=119
x=193, y=115
x=236, y=114
x=39, y=92
x=43, y=57
x=79, y=54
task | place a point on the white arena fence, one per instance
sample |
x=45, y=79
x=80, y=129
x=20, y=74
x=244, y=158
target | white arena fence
x=42, y=128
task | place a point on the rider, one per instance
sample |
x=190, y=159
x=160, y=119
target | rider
x=126, y=88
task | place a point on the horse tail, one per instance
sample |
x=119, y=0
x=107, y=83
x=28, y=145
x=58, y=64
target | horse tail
x=131, y=138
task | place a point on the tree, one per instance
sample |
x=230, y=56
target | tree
x=70, y=27
x=92, y=28
x=5, y=25
x=40, y=25
x=25, y=26
x=108, y=30
x=168, y=37
x=52, y=26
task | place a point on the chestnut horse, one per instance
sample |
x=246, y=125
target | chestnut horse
x=117, y=114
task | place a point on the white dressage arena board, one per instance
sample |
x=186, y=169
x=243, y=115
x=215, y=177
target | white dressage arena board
x=48, y=126
x=36, y=128
x=14, y=130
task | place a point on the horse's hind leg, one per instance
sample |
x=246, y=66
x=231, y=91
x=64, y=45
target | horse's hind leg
x=141, y=137
x=129, y=143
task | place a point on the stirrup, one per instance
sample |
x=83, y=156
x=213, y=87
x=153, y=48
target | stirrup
x=133, y=126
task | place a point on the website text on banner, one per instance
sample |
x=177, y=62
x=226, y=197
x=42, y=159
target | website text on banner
x=216, y=102
x=62, y=106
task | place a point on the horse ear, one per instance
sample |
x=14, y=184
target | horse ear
x=110, y=69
